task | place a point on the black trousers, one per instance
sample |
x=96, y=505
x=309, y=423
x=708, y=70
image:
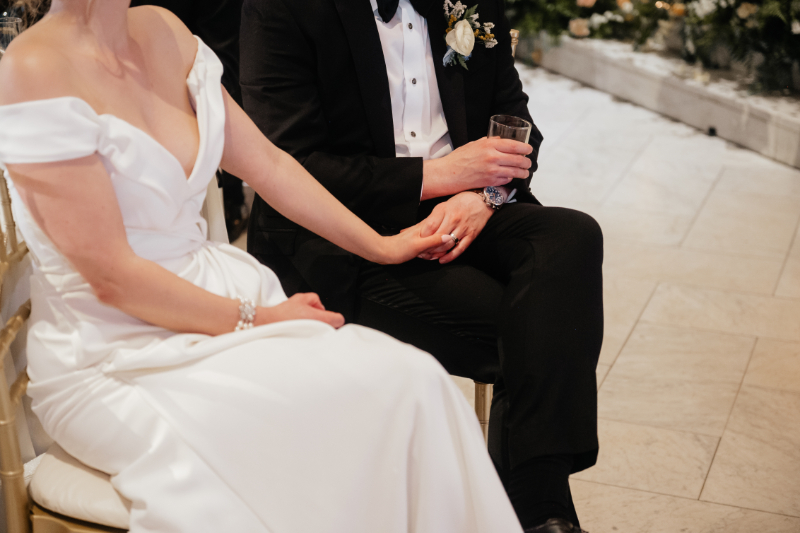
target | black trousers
x=522, y=308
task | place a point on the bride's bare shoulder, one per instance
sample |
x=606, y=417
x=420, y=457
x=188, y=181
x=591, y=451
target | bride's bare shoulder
x=162, y=31
x=35, y=66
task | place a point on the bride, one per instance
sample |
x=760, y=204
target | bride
x=177, y=365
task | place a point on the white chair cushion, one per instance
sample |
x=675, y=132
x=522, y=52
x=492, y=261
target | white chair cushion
x=64, y=485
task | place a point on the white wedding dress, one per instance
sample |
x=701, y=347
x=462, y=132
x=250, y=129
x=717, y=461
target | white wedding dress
x=293, y=427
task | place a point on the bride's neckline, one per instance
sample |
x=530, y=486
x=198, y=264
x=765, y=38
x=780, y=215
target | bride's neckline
x=201, y=144
x=149, y=136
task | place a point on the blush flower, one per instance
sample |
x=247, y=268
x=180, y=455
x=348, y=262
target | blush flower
x=579, y=27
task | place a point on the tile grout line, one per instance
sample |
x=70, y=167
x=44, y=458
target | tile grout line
x=664, y=428
x=627, y=169
x=727, y=291
x=728, y=419
x=722, y=332
x=703, y=205
x=628, y=336
x=737, y=290
x=686, y=498
x=795, y=236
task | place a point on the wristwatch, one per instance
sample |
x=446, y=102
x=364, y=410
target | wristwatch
x=491, y=196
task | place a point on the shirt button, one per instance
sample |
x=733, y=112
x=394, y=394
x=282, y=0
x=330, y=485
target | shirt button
x=413, y=134
x=410, y=26
x=414, y=81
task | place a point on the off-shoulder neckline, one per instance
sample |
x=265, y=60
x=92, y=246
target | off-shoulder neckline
x=88, y=106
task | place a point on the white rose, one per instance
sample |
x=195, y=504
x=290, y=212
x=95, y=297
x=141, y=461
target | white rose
x=461, y=39
x=795, y=27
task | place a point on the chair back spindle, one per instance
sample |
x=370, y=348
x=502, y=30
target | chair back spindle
x=12, y=472
x=514, y=42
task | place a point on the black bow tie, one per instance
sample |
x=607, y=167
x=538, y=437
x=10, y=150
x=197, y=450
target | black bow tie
x=387, y=8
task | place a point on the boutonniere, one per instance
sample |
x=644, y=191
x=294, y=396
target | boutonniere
x=463, y=29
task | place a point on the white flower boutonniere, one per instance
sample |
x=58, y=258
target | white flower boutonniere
x=463, y=29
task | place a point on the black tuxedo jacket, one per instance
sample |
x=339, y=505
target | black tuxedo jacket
x=314, y=80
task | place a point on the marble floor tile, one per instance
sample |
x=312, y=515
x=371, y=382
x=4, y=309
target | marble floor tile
x=775, y=365
x=676, y=378
x=789, y=283
x=651, y=459
x=766, y=179
x=745, y=223
x=623, y=300
x=607, y=509
x=706, y=269
x=583, y=168
x=601, y=371
x=731, y=312
x=757, y=465
x=658, y=192
x=628, y=117
x=666, y=229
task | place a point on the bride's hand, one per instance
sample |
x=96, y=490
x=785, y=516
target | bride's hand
x=408, y=244
x=298, y=307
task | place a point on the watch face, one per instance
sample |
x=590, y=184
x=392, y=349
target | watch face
x=493, y=195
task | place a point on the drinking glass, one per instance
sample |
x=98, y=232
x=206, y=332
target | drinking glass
x=509, y=127
x=10, y=27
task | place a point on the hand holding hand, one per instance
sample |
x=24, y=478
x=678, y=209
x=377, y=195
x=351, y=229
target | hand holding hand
x=464, y=215
x=409, y=243
x=488, y=161
x=300, y=306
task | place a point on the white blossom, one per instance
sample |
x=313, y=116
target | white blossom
x=461, y=39
x=487, y=26
x=491, y=43
x=597, y=20
x=796, y=27
x=703, y=8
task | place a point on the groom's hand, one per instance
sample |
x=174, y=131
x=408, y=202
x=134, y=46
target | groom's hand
x=464, y=215
x=476, y=165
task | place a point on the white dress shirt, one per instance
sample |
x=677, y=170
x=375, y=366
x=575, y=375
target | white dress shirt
x=420, y=129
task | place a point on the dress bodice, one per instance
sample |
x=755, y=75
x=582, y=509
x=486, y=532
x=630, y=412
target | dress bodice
x=162, y=214
x=161, y=209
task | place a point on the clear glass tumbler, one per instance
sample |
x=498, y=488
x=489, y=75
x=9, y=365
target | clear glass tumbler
x=509, y=127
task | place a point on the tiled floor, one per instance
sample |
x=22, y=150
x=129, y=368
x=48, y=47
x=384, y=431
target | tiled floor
x=699, y=395
x=699, y=377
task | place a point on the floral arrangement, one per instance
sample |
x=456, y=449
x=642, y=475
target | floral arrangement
x=764, y=35
x=462, y=31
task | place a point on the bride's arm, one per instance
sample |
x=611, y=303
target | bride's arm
x=286, y=186
x=74, y=203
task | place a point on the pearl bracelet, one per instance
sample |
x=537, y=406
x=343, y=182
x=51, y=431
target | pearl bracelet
x=247, y=313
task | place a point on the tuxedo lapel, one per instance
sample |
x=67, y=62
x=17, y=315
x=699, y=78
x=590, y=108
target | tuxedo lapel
x=365, y=46
x=449, y=79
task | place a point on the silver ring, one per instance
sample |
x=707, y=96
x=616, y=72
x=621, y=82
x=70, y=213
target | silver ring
x=455, y=239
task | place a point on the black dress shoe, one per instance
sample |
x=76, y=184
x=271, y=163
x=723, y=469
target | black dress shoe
x=556, y=525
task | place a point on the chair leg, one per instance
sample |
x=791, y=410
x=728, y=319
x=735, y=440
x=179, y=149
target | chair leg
x=483, y=403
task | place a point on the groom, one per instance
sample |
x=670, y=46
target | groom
x=358, y=91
